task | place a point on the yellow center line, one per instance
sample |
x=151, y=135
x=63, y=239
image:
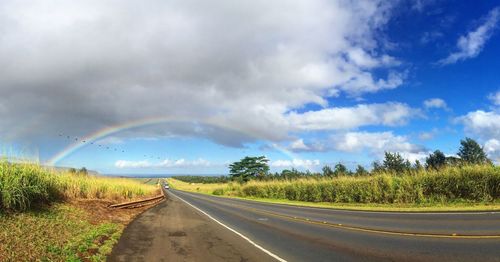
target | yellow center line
x=354, y=228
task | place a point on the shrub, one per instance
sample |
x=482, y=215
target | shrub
x=218, y=192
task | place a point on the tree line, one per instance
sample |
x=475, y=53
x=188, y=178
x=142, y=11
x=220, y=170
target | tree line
x=469, y=153
x=203, y=179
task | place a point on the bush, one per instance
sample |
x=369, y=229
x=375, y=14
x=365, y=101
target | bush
x=218, y=192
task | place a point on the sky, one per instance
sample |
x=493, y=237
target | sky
x=187, y=87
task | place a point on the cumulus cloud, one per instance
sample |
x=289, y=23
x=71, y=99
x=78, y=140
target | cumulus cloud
x=471, y=44
x=377, y=143
x=299, y=145
x=296, y=163
x=389, y=114
x=167, y=163
x=435, y=103
x=492, y=148
x=485, y=126
x=132, y=164
x=77, y=67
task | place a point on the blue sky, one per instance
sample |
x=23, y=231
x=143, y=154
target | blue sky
x=306, y=83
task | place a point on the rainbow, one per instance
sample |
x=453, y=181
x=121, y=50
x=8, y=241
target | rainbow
x=99, y=134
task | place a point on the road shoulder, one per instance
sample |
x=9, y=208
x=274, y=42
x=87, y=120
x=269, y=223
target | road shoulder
x=173, y=231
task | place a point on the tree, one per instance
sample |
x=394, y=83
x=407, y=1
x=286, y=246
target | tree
x=361, y=171
x=83, y=171
x=471, y=152
x=340, y=170
x=394, y=162
x=453, y=161
x=248, y=168
x=418, y=166
x=327, y=171
x=377, y=167
x=435, y=160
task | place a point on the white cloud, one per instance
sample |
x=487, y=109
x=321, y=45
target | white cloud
x=492, y=148
x=362, y=59
x=167, y=163
x=244, y=66
x=486, y=127
x=364, y=82
x=414, y=156
x=376, y=143
x=132, y=164
x=435, y=103
x=389, y=114
x=296, y=163
x=298, y=145
x=471, y=44
x=495, y=98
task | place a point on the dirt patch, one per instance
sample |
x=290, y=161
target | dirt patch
x=99, y=212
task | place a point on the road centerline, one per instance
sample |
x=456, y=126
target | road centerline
x=451, y=235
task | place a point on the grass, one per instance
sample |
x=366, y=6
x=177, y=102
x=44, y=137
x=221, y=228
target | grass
x=449, y=189
x=25, y=185
x=41, y=220
x=59, y=233
x=200, y=187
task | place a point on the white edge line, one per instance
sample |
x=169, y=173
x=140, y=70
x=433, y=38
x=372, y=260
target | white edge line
x=234, y=231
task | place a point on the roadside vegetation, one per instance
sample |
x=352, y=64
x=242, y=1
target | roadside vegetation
x=203, y=179
x=467, y=179
x=49, y=215
x=23, y=185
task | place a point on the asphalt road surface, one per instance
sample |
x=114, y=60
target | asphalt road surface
x=222, y=229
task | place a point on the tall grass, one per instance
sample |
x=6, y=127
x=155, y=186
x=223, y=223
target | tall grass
x=468, y=183
x=24, y=185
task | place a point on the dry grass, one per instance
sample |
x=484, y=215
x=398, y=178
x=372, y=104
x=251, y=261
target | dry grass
x=203, y=188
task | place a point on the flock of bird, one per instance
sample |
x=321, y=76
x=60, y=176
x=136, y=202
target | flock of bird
x=101, y=146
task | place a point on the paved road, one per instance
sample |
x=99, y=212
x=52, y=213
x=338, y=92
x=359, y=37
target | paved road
x=173, y=231
x=313, y=234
